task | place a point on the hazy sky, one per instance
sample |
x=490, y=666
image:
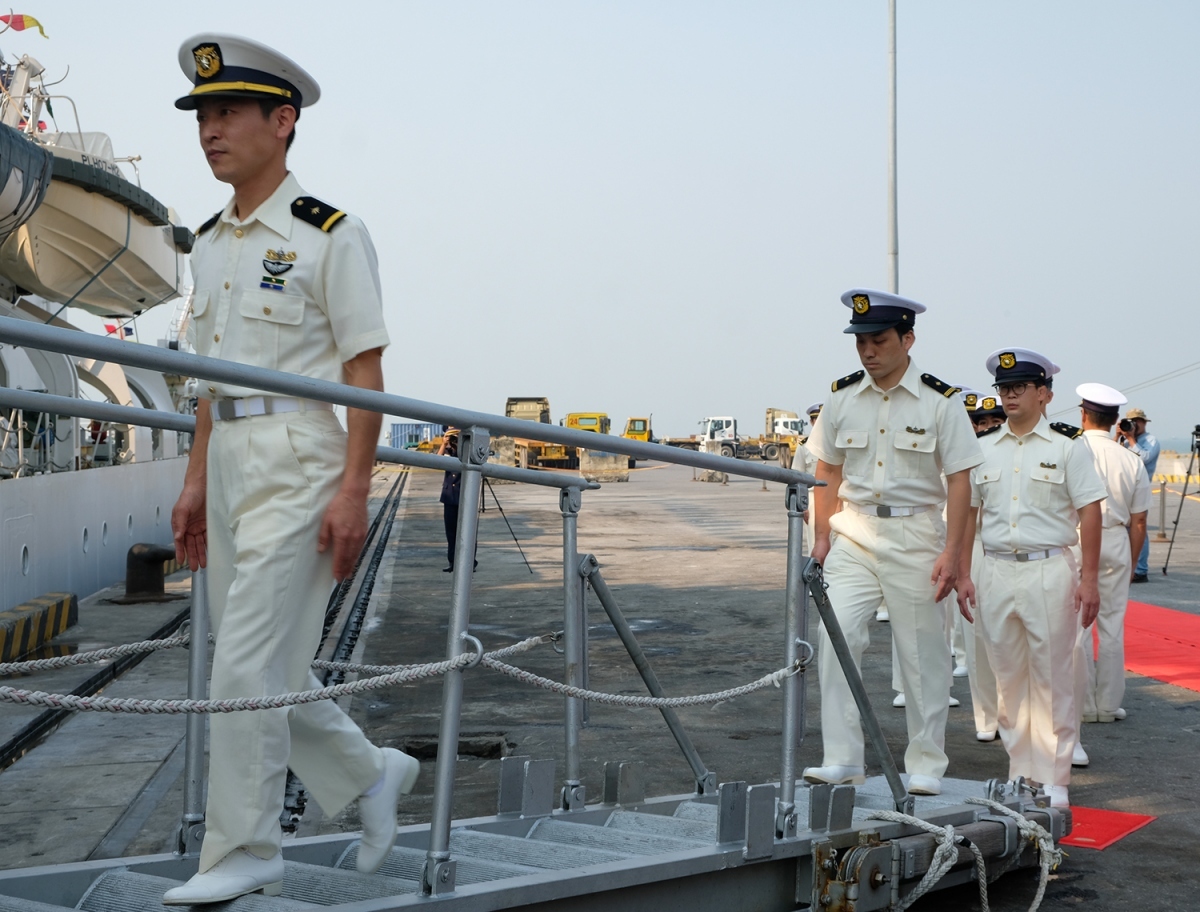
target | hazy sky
x=640, y=207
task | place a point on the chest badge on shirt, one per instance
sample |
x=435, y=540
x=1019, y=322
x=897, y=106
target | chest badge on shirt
x=277, y=262
x=1049, y=465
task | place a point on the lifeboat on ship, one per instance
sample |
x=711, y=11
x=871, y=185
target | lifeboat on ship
x=97, y=241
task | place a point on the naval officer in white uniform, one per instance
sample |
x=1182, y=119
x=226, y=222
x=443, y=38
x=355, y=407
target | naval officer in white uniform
x=274, y=500
x=1036, y=484
x=1123, y=517
x=886, y=435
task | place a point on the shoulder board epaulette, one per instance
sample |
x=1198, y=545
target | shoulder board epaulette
x=212, y=221
x=990, y=430
x=944, y=388
x=317, y=213
x=846, y=381
x=1067, y=430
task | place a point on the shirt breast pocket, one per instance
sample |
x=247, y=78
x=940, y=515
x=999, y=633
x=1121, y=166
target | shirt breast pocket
x=1048, y=488
x=271, y=325
x=915, y=454
x=854, y=445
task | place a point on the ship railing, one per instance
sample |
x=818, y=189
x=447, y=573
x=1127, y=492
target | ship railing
x=579, y=570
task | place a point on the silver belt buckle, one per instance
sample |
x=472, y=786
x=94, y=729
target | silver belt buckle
x=883, y=512
x=1022, y=557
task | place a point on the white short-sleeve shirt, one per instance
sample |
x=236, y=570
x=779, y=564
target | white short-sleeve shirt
x=276, y=291
x=894, y=446
x=1124, y=476
x=1029, y=488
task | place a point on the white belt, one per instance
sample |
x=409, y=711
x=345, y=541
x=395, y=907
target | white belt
x=888, y=512
x=228, y=409
x=1023, y=556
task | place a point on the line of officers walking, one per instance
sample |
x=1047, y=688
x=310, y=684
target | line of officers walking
x=939, y=497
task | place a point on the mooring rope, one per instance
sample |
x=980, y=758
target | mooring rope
x=381, y=676
x=1049, y=855
x=945, y=856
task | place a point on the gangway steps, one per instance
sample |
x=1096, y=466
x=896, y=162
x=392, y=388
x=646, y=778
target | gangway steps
x=510, y=861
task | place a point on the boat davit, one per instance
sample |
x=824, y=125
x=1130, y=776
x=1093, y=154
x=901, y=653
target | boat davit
x=96, y=241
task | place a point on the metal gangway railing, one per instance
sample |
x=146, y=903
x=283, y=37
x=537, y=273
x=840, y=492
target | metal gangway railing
x=438, y=876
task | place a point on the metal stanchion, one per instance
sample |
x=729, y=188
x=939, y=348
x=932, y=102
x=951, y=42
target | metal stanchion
x=573, y=792
x=1161, y=535
x=191, y=826
x=439, y=872
x=795, y=632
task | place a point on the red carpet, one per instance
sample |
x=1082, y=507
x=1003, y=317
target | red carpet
x=1095, y=829
x=1163, y=644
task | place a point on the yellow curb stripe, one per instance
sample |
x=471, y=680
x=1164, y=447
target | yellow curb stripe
x=32, y=624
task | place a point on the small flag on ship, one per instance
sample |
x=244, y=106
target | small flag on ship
x=119, y=331
x=18, y=22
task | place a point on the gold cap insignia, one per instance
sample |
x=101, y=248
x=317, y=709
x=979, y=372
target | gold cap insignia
x=971, y=400
x=208, y=60
x=861, y=304
x=1008, y=360
x=989, y=403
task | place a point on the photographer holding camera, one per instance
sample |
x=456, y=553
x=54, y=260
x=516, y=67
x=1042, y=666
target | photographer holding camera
x=1131, y=432
x=451, y=484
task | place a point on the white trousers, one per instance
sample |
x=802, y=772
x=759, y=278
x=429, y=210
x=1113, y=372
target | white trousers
x=1102, y=680
x=270, y=479
x=1031, y=631
x=984, y=699
x=873, y=561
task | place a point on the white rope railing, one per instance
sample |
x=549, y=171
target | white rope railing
x=380, y=676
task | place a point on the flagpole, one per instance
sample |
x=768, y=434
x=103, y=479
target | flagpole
x=893, y=256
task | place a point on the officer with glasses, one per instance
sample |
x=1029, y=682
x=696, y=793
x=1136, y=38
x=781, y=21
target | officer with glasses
x=1035, y=486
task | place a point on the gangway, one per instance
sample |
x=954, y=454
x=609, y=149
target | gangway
x=727, y=845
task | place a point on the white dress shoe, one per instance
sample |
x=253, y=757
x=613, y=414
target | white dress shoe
x=882, y=615
x=898, y=701
x=1119, y=715
x=985, y=736
x=924, y=785
x=960, y=671
x=1115, y=716
x=836, y=775
x=1079, y=756
x=237, y=874
x=378, y=811
x=1057, y=795
x=954, y=701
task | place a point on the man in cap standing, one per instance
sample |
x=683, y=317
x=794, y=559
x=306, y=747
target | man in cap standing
x=1133, y=434
x=886, y=435
x=274, y=500
x=1123, y=517
x=1035, y=486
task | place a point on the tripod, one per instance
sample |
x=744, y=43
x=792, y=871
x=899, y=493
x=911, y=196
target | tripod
x=1183, y=496
x=506, y=522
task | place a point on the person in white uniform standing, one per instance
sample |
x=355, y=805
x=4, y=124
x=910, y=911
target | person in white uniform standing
x=275, y=495
x=1036, y=484
x=1123, y=517
x=886, y=435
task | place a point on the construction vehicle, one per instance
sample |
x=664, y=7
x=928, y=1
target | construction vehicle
x=588, y=421
x=638, y=429
x=782, y=433
x=539, y=454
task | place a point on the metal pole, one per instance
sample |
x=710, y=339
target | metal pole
x=1162, y=512
x=573, y=792
x=816, y=585
x=706, y=781
x=191, y=827
x=893, y=217
x=795, y=631
x=439, y=873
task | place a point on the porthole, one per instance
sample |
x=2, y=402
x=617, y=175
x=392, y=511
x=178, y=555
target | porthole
x=129, y=524
x=24, y=560
x=157, y=515
x=85, y=539
x=104, y=533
